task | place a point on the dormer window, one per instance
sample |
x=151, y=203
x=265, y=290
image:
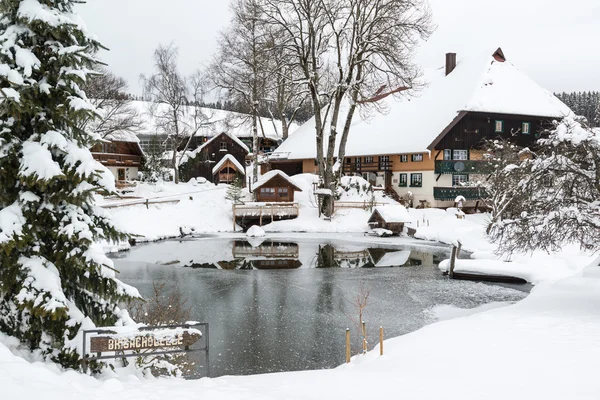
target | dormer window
x=499, y=126
x=223, y=146
x=526, y=128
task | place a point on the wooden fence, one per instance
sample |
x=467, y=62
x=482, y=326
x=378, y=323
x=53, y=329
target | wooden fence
x=363, y=205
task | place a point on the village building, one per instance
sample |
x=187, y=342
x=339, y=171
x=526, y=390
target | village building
x=390, y=217
x=428, y=146
x=219, y=160
x=275, y=186
x=121, y=154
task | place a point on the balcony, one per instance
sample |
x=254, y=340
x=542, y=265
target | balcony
x=117, y=160
x=367, y=167
x=463, y=167
x=451, y=193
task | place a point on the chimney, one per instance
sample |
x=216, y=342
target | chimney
x=450, y=62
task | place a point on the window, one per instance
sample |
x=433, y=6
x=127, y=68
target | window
x=499, y=126
x=417, y=157
x=404, y=158
x=283, y=192
x=403, y=180
x=447, y=154
x=460, y=155
x=223, y=146
x=368, y=160
x=384, y=163
x=267, y=192
x=416, y=180
x=459, y=180
x=526, y=128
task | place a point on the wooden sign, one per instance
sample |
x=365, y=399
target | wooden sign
x=102, y=344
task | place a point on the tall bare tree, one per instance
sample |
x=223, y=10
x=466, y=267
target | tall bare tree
x=240, y=67
x=108, y=93
x=352, y=53
x=174, y=104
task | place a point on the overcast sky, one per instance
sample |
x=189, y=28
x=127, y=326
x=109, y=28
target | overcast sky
x=553, y=41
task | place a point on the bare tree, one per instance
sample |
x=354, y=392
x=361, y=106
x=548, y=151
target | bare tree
x=174, y=104
x=108, y=93
x=240, y=67
x=352, y=53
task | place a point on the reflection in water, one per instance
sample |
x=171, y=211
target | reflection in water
x=264, y=319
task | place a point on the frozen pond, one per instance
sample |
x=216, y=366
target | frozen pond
x=284, y=304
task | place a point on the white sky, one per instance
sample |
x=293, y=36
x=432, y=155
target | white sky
x=554, y=41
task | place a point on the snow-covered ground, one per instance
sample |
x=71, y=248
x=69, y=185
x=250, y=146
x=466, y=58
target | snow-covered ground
x=544, y=347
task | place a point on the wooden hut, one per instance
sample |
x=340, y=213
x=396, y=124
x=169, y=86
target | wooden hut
x=275, y=186
x=390, y=217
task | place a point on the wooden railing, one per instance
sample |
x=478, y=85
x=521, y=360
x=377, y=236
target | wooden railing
x=266, y=209
x=363, y=205
x=275, y=250
x=463, y=167
x=368, y=167
x=117, y=159
x=451, y=193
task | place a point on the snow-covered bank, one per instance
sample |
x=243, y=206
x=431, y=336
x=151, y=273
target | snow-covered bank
x=544, y=347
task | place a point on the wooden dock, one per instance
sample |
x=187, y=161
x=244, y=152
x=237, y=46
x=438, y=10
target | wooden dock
x=246, y=215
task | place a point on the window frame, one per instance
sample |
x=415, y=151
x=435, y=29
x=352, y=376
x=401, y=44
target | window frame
x=369, y=160
x=461, y=181
x=418, y=157
x=447, y=154
x=501, y=122
x=464, y=152
x=400, y=180
x=420, y=180
x=403, y=158
x=528, y=130
x=221, y=146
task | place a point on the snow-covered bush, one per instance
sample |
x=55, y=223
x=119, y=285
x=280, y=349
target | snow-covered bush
x=54, y=281
x=555, y=194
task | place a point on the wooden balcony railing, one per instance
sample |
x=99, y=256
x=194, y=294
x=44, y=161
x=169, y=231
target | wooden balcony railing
x=463, y=167
x=451, y=193
x=118, y=159
x=368, y=167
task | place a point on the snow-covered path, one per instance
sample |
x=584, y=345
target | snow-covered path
x=545, y=347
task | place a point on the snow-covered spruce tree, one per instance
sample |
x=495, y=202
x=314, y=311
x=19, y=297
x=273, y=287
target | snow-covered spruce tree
x=53, y=280
x=234, y=192
x=561, y=193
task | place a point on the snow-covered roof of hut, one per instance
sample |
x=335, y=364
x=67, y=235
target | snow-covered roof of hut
x=272, y=174
x=394, y=259
x=393, y=213
x=122, y=136
x=480, y=83
x=216, y=121
x=228, y=157
x=192, y=154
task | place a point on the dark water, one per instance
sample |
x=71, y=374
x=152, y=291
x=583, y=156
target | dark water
x=289, y=312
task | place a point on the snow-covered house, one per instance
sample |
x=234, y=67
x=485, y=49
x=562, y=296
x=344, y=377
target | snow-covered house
x=275, y=186
x=220, y=160
x=430, y=144
x=390, y=217
x=121, y=154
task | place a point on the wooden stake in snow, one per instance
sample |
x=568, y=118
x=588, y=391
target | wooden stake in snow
x=452, y=262
x=381, y=340
x=364, y=332
x=347, y=345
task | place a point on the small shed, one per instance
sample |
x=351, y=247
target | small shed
x=390, y=217
x=227, y=169
x=275, y=186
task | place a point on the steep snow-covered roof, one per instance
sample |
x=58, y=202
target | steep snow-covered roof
x=270, y=175
x=192, y=154
x=217, y=121
x=231, y=158
x=393, y=213
x=122, y=136
x=411, y=124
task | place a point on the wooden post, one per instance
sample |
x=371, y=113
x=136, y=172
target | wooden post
x=458, y=249
x=147, y=204
x=364, y=332
x=233, y=211
x=381, y=340
x=452, y=262
x=260, y=218
x=348, y=345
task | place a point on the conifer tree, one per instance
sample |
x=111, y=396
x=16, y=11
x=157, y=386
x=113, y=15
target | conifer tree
x=54, y=279
x=234, y=192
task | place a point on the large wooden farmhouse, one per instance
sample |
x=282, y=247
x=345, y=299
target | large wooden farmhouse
x=431, y=143
x=121, y=154
x=220, y=160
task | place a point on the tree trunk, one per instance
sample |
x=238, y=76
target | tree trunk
x=175, y=167
x=254, y=147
